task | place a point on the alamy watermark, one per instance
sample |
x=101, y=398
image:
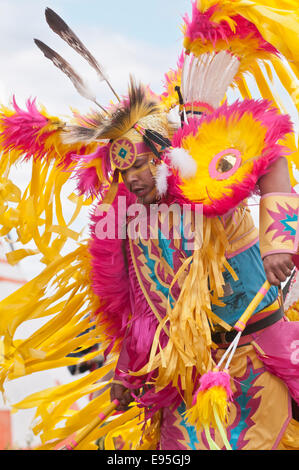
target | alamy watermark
x=151, y=221
x=295, y=353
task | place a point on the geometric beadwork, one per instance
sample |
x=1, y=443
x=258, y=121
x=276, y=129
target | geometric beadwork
x=123, y=153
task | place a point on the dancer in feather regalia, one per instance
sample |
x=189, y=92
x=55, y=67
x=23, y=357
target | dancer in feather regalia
x=174, y=285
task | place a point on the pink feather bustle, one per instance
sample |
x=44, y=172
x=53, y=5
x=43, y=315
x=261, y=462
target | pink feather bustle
x=201, y=26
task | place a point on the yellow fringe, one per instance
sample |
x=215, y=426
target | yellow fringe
x=62, y=292
x=191, y=319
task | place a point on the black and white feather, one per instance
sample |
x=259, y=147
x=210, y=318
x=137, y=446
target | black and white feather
x=120, y=120
x=67, y=69
x=59, y=26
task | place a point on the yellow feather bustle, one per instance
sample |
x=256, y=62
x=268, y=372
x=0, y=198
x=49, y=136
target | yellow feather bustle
x=277, y=22
x=245, y=134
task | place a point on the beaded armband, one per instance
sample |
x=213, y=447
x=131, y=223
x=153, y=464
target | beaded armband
x=279, y=223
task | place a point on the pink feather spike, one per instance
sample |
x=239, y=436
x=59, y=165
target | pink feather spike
x=181, y=60
x=176, y=71
x=31, y=134
x=28, y=133
x=88, y=181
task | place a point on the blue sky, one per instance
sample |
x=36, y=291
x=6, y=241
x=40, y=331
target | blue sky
x=139, y=37
x=155, y=21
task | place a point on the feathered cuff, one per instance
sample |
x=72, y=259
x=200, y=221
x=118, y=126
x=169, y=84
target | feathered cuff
x=279, y=223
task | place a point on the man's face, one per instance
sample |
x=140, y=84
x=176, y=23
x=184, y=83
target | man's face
x=140, y=181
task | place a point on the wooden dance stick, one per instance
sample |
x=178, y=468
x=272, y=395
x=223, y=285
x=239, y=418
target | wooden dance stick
x=94, y=424
x=241, y=323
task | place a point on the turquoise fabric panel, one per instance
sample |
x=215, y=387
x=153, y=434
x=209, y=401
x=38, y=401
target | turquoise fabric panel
x=249, y=268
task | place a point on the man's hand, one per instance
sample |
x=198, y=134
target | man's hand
x=278, y=267
x=122, y=394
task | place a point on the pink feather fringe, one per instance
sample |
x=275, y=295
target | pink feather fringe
x=88, y=182
x=22, y=129
x=109, y=276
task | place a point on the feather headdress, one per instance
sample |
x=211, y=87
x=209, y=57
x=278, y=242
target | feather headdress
x=120, y=119
x=138, y=121
x=137, y=125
